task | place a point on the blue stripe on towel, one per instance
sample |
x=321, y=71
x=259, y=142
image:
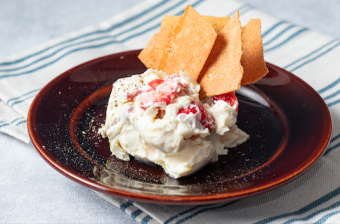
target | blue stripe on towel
x=314, y=213
x=3, y=125
x=332, y=95
x=287, y=40
x=331, y=148
x=22, y=95
x=315, y=51
x=273, y=28
x=136, y=213
x=308, y=207
x=17, y=119
x=244, y=7
x=333, y=103
x=55, y=52
x=57, y=59
x=124, y=206
x=21, y=122
x=334, y=146
x=20, y=101
x=89, y=34
x=146, y=219
x=182, y=213
x=151, y=19
x=336, y=82
x=313, y=59
x=204, y=210
x=279, y=34
x=186, y=211
x=335, y=138
x=246, y=10
x=324, y=218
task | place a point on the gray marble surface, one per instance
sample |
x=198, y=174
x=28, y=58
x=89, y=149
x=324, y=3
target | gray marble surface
x=30, y=190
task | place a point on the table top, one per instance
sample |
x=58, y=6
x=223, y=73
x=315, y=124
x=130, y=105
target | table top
x=32, y=191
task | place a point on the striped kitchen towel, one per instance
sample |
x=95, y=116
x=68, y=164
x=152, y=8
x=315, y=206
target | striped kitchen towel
x=312, y=198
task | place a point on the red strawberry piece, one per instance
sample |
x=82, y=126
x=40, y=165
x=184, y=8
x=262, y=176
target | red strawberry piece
x=206, y=120
x=131, y=96
x=156, y=97
x=155, y=82
x=166, y=91
x=227, y=97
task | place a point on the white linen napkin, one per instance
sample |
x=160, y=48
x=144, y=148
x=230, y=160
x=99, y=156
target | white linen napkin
x=312, y=198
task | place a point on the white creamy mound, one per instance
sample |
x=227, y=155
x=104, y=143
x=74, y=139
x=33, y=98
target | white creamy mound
x=139, y=124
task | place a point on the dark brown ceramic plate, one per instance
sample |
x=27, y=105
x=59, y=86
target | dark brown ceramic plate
x=288, y=123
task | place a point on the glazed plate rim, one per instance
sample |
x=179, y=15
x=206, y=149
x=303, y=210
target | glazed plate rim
x=162, y=199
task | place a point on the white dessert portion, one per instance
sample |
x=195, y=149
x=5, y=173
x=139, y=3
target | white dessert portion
x=148, y=117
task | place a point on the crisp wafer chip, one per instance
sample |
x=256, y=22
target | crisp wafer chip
x=190, y=44
x=183, y=44
x=176, y=27
x=217, y=22
x=223, y=72
x=254, y=66
x=169, y=20
x=152, y=55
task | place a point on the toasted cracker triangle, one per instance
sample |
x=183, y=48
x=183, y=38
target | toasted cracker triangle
x=223, y=72
x=254, y=66
x=193, y=40
x=217, y=22
x=169, y=20
x=156, y=53
x=167, y=49
x=152, y=55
